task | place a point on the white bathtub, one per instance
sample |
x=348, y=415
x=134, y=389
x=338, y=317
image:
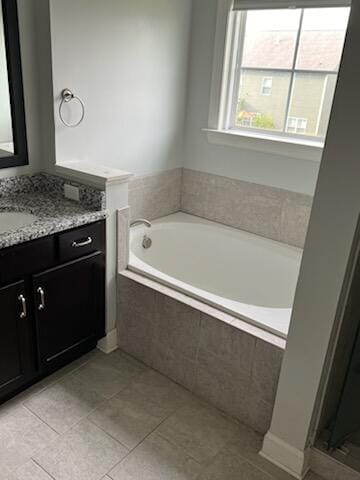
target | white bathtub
x=247, y=276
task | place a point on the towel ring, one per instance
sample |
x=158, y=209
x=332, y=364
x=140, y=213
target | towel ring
x=66, y=97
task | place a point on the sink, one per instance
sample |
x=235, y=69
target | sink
x=10, y=221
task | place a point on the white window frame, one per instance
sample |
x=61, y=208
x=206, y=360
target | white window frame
x=297, y=121
x=266, y=90
x=228, y=27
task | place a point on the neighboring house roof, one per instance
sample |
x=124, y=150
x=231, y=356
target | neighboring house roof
x=318, y=50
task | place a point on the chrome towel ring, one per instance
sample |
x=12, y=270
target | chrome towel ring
x=66, y=97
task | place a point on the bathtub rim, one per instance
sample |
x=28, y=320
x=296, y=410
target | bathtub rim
x=206, y=309
x=139, y=266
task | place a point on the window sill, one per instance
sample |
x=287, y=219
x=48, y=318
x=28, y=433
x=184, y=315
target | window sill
x=294, y=148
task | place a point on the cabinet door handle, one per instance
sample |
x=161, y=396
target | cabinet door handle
x=86, y=242
x=41, y=292
x=23, y=313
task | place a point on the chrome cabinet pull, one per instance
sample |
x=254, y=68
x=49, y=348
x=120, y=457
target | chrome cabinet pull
x=41, y=292
x=86, y=242
x=23, y=313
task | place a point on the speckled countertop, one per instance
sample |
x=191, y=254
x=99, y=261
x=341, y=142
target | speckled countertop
x=41, y=195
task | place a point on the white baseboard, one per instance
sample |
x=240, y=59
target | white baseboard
x=109, y=343
x=285, y=456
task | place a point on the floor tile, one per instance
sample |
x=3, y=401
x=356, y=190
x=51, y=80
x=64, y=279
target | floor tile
x=5, y=474
x=231, y=467
x=161, y=391
x=313, y=476
x=125, y=363
x=109, y=375
x=247, y=445
x=156, y=459
x=64, y=403
x=201, y=430
x=129, y=416
x=63, y=372
x=31, y=471
x=55, y=377
x=22, y=435
x=83, y=453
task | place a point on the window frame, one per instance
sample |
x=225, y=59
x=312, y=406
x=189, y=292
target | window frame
x=230, y=27
x=297, y=121
x=263, y=86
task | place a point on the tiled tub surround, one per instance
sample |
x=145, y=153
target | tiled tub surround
x=42, y=195
x=227, y=362
x=156, y=195
x=267, y=211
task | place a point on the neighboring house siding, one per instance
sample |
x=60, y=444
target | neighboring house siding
x=327, y=105
x=274, y=105
x=307, y=99
x=309, y=92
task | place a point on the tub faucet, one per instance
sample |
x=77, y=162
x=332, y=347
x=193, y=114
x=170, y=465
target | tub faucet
x=141, y=221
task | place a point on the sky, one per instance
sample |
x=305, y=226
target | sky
x=288, y=19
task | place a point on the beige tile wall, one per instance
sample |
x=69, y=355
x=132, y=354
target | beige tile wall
x=157, y=195
x=235, y=371
x=123, y=219
x=267, y=211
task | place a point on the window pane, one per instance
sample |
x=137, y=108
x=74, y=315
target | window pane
x=257, y=108
x=310, y=104
x=270, y=38
x=322, y=38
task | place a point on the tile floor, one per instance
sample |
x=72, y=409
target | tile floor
x=109, y=417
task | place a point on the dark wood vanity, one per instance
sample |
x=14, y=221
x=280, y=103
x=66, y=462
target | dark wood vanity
x=52, y=304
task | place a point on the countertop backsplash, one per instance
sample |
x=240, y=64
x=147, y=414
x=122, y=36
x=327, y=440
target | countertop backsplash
x=51, y=185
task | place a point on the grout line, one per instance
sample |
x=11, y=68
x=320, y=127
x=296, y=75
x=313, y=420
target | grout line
x=145, y=438
x=43, y=469
x=41, y=420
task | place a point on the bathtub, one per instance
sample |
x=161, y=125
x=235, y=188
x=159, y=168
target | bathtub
x=244, y=275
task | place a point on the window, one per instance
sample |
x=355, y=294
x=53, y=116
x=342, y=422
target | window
x=266, y=86
x=280, y=70
x=296, y=125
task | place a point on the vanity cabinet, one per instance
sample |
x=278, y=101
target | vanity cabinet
x=15, y=355
x=68, y=302
x=52, y=304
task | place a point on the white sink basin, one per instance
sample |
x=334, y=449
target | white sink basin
x=10, y=221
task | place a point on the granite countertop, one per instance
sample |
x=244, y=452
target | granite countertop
x=54, y=212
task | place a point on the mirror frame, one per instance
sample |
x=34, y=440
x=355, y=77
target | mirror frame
x=13, y=57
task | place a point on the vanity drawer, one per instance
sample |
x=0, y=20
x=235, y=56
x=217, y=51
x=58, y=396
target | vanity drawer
x=30, y=257
x=81, y=241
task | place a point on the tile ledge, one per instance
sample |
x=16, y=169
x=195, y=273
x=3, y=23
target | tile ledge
x=207, y=309
x=97, y=175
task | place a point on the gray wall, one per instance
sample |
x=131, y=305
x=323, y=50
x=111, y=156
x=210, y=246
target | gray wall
x=128, y=61
x=277, y=171
x=36, y=65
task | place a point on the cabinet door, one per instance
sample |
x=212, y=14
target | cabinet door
x=69, y=309
x=15, y=353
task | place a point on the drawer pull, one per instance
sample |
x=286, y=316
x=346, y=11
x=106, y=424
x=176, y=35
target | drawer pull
x=23, y=313
x=41, y=292
x=86, y=242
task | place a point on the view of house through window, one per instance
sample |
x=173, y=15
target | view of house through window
x=288, y=61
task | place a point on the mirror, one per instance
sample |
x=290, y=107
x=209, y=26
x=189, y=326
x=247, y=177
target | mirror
x=13, y=145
